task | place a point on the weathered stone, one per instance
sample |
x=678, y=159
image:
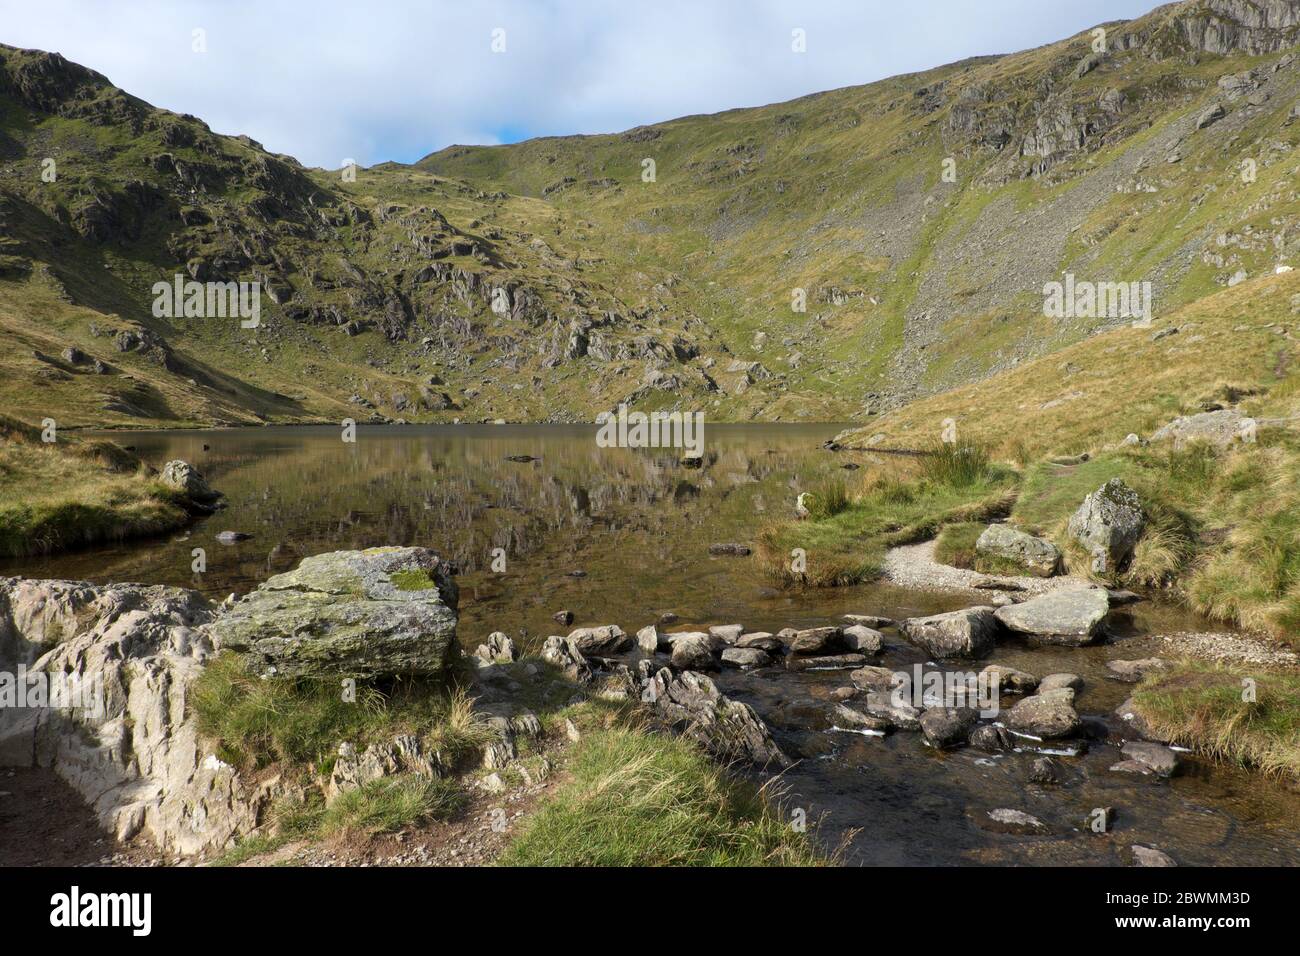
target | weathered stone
x=1006, y=820
x=825, y=662
x=817, y=640
x=761, y=640
x=692, y=705
x=499, y=649
x=1108, y=524
x=184, y=478
x=1062, y=680
x=1152, y=757
x=1037, y=556
x=1009, y=680
x=1130, y=672
x=727, y=632
x=1150, y=856
x=991, y=739
x=648, y=639
x=850, y=718
x=1219, y=428
x=869, y=620
x=1046, y=715
x=564, y=654
x=947, y=726
x=863, y=639
x=1043, y=771
x=385, y=611
x=957, y=634
x=605, y=639
x=1068, y=616
x=746, y=657
x=874, y=678
x=882, y=704
x=696, y=651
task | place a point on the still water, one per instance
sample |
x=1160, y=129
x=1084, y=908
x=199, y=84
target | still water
x=621, y=536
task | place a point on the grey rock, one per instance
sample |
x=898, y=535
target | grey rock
x=727, y=632
x=863, y=639
x=1046, y=715
x=1219, y=428
x=563, y=653
x=903, y=716
x=1130, y=672
x=991, y=739
x=605, y=639
x=1043, y=771
x=1062, y=680
x=746, y=657
x=957, y=634
x=692, y=705
x=874, y=678
x=1037, y=556
x=648, y=640
x=1006, y=820
x=1155, y=758
x=825, y=662
x=850, y=718
x=1108, y=524
x=1009, y=680
x=696, y=651
x=947, y=726
x=184, y=478
x=817, y=640
x=1150, y=856
x=1067, y=616
x=869, y=620
x=761, y=640
x=499, y=649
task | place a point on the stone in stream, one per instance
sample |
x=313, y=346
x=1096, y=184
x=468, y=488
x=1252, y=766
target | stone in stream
x=1043, y=771
x=991, y=739
x=232, y=537
x=1008, y=680
x=1130, y=672
x=817, y=640
x=696, y=651
x=727, y=632
x=957, y=634
x=746, y=657
x=1108, y=524
x=648, y=639
x=1007, y=820
x=1056, y=681
x=1071, y=617
x=874, y=678
x=882, y=704
x=1150, y=856
x=691, y=704
x=869, y=620
x=605, y=639
x=850, y=718
x=364, y=614
x=1144, y=756
x=762, y=641
x=947, y=726
x=825, y=662
x=1127, y=712
x=499, y=649
x=1046, y=715
x=863, y=639
x=1036, y=556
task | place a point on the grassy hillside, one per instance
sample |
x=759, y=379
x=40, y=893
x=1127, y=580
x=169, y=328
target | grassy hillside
x=673, y=291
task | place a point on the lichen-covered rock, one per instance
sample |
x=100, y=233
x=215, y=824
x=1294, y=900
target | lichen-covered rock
x=1108, y=524
x=1046, y=715
x=1037, y=556
x=135, y=755
x=364, y=614
x=1219, y=428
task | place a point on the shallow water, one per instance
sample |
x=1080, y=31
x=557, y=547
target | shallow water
x=637, y=525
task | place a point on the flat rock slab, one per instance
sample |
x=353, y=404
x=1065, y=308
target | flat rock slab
x=957, y=634
x=364, y=614
x=1071, y=617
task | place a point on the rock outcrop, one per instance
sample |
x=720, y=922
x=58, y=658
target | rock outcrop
x=1036, y=556
x=1108, y=524
x=691, y=705
x=134, y=754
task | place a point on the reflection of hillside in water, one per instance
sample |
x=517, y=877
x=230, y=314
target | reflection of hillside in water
x=631, y=519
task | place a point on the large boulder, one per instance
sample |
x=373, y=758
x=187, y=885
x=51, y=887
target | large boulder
x=1036, y=556
x=134, y=753
x=1108, y=524
x=692, y=705
x=1046, y=715
x=1069, y=616
x=605, y=639
x=957, y=634
x=364, y=614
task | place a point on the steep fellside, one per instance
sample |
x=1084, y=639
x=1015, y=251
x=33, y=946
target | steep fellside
x=550, y=280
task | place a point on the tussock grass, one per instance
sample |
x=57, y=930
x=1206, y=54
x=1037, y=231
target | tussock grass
x=641, y=799
x=1200, y=705
x=828, y=499
x=391, y=804
x=259, y=722
x=66, y=495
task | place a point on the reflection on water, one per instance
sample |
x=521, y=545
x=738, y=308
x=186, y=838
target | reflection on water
x=621, y=536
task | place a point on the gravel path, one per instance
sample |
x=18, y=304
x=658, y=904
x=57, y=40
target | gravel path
x=913, y=566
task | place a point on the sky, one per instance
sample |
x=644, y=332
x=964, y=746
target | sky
x=374, y=80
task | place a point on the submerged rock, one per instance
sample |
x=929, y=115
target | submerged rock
x=365, y=614
x=1130, y=672
x=1144, y=756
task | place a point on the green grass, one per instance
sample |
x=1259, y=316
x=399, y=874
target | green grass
x=70, y=494
x=1200, y=706
x=639, y=799
x=391, y=804
x=259, y=722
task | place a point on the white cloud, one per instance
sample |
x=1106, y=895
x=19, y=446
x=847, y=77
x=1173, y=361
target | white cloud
x=374, y=80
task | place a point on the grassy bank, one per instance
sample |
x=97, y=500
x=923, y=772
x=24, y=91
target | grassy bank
x=69, y=494
x=636, y=798
x=1201, y=706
